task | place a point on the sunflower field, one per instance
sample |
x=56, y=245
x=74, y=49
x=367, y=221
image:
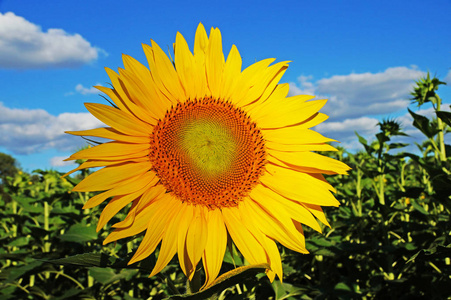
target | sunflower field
x=389, y=239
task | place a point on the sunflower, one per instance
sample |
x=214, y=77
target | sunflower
x=204, y=153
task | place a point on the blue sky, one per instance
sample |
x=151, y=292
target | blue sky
x=362, y=55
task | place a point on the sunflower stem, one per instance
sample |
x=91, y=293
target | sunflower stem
x=194, y=283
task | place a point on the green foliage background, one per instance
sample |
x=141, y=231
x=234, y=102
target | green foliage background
x=390, y=238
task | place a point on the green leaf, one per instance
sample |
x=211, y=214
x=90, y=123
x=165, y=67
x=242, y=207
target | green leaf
x=7, y=292
x=382, y=138
x=13, y=273
x=423, y=124
x=69, y=294
x=103, y=260
x=19, y=242
x=65, y=210
x=20, y=255
x=324, y=252
x=233, y=260
x=397, y=145
x=437, y=250
x=445, y=116
x=84, y=260
x=322, y=242
x=108, y=275
x=418, y=207
x=285, y=290
x=343, y=287
x=80, y=233
x=29, y=205
x=37, y=231
x=364, y=142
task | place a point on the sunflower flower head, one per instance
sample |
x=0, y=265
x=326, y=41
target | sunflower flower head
x=205, y=152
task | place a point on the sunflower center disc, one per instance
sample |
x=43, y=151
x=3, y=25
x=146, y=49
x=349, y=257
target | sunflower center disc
x=210, y=146
x=208, y=152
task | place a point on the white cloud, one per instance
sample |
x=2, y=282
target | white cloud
x=344, y=131
x=447, y=78
x=85, y=91
x=355, y=98
x=26, y=131
x=58, y=161
x=364, y=124
x=305, y=86
x=23, y=45
x=356, y=95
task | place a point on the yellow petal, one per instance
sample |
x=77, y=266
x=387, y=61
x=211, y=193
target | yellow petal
x=184, y=64
x=266, y=83
x=245, y=240
x=214, y=62
x=285, y=111
x=273, y=84
x=151, y=107
x=149, y=197
x=140, y=221
x=125, y=187
x=317, y=211
x=275, y=220
x=215, y=247
x=201, y=40
x=119, y=120
x=135, y=67
x=196, y=238
x=128, y=106
x=102, y=163
x=270, y=248
x=294, y=135
x=185, y=216
x=156, y=102
x=231, y=74
x=297, y=186
x=112, y=134
x=115, y=205
x=249, y=77
x=123, y=98
x=116, y=150
x=160, y=87
x=158, y=221
x=313, y=162
x=167, y=73
x=288, y=209
x=109, y=177
x=169, y=244
x=298, y=148
x=274, y=259
x=117, y=94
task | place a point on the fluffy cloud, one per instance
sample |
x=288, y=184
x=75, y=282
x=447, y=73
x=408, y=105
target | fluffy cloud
x=23, y=45
x=344, y=131
x=85, y=91
x=304, y=86
x=81, y=89
x=26, y=131
x=448, y=78
x=355, y=98
x=355, y=95
x=58, y=161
